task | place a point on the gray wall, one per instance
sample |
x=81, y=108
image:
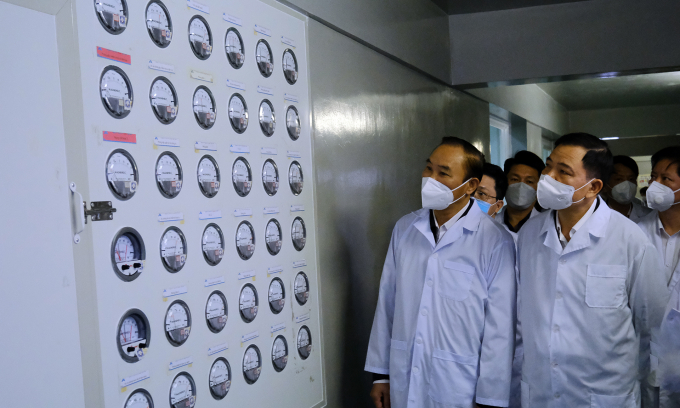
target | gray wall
x=627, y=122
x=642, y=146
x=375, y=122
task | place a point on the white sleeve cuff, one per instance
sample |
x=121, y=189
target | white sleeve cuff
x=385, y=381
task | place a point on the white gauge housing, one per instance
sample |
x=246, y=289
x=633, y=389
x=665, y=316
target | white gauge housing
x=295, y=178
x=122, y=176
x=216, y=312
x=264, y=59
x=238, y=113
x=158, y=23
x=173, y=249
x=270, y=177
x=133, y=336
x=212, y=244
x=290, y=66
x=204, y=107
x=139, y=398
x=267, y=117
x=245, y=240
x=208, y=174
x=220, y=378
x=277, y=295
x=293, y=123
x=248, y=303
x=183, y=391
x=112, y=14
x=200, y=37
x=304, y=342
x=252, y=364
x=233, y=46
x=299, y=234
x=242, y=176
x=128, y=254
x=301, y=288
x=168, y=175
x=163, y=99
x=279, y=353
x=115, y=90
x=272, y=237
x=177, y=323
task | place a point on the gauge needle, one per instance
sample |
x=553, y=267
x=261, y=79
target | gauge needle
x=118, y=253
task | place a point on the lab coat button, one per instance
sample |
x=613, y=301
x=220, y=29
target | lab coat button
x=556, y=328
x=416, y=370
x=558, y=295
x=430, y=283
x=563, y=261
x=554, y=365
x=419, y=341
x=423, y=312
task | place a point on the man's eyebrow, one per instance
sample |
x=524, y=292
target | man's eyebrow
x=447, y=168
x=428, y=161
x=566, y=165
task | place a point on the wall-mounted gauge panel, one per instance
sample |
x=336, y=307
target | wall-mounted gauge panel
x=279, y=353
x=112, y=14
x=139, y=398
x=177, y=323
x=183, y=391
x=133, y=336
x=277, y=295
x=173, y=249
x=242, y=176
x=301, y=288
x=213, y=244
x=238, y=113
x=299, y=234
x=204, y=107
x=158, y=23
x=267, y=117
x=233, y=46
x=200, y=37
x=128, y=254
x=122, y=176
x=290, y=66
x=163, y=98
x=245, y=240
x=248, y=303
x=304, y=342
x=295, y=178
x=293, y=123
x=216, y=312
x=264, y=59
x=272, y=236
x=168, y=175
x=115, y=90
x=208, y=174
x=252, y=364
x=220, y=378
x=270, y=177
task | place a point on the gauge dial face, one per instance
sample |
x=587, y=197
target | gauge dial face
x=183, y=391
x=301, y=288
x=213, y=244
x=121, y=174
x=272, y=237
x=139, y=399
x=238, y=113
x=242, y=177
x=115, y=91
x=304, y=342
x=128, y=254
x=295, y=178
x=277, y=295
x=248, y=302
x=204, y=107
x=270, y=177
x=263, y=57
x=163, y=98
x=133, y=336
x=245, y=240
x=293, y=123
x=112, y=15
x=220, y=378
x=158, y=23
x=168, y=175
x=173, y=249
x=280, y=353
x=299, y=233
x=290, y=66
x=267, y=118
x=233, y=45
x=252, y=364
x=177, y=323
x=208, y=176
x=200, y=37
x=216, y=311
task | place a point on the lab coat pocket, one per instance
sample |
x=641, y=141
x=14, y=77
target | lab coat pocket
x=455, y=280
x=526, y=400
x=606, y=286
x=454, y=378
x=612, y=401
x=399, y=365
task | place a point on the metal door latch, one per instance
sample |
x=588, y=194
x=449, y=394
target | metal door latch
x=99, y=211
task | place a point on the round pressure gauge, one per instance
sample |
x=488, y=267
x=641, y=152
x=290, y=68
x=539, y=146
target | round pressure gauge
x=200, y=37
x=204, y=107
x=158, y=23
x=248, y=303
x=112, y=15
x=115, y=90
x=272, y=237
x=183, y=391
x=168, y=175
x=220, y=378
x=133, y=335
x=140, y=398
x=233, y=45
x=173, y=249
x=293, y=122
x=290, y=66
x=301, y=288
x=299, y=233
x=252, y=364
x=263, y=56
x=295, y=178
x=163, y=99
x=213, y=244
x=177, y=323
x=245, y=240
x=128, y=254
x=270, y=177
x=121, y=174
x=277, y=295
x=216, y=311
x=280, y=353
x=208, y=176
x=242, y=177
x=304, y=342
x=267, y=118
x=238, y=113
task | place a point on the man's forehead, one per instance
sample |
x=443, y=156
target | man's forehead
x=570, y=155
x=666, y=166
x=446, y=154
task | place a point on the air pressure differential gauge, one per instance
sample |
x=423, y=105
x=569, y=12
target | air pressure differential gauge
x=115, y=90
x=272, y=236
x=112, y=15
x=168, y=175
x=208, y=176
x=183, y=391
x=200, y=37
x=139, y=399
x=293, y=123
x=263, y=57
x=173, y=249
x=238, y=113
x=299, y=233
x=242, y=177
x=248, y=302
x=158, y=23
x=133, y=335
x=295, y=178
x=177, y=323
x=220, y=378
x=290, y=66
x=301, y=288
x=304, y=342
x=204, y=107
x=267, y=118
x=233, y=45
x=213, y=244
x=128, y=254
x=252, y=364
x=277, y=295
x=270, y=177
x=245, y=240
x=121, y=174
x=279, y=353
x=216, y=311
x=163, y=98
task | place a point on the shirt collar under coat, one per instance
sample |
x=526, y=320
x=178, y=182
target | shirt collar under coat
x=469, y=222
x=595, y=226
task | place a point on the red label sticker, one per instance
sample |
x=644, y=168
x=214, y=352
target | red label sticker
x=114, y=55
x=120, y=137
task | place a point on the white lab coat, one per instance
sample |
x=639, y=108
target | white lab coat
x=587, y=311
x=639, y=211
x=444, y=325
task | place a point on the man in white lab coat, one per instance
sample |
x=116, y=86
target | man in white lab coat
x=589, y=286
x=443, y=330
x=619, y=191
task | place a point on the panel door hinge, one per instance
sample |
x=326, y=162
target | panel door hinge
x=99, y=211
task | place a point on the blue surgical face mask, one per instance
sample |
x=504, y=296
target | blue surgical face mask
x=484, y=206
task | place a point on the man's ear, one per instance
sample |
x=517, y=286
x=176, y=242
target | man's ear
x=595, y=188
x=472, y=185
x=498, y=206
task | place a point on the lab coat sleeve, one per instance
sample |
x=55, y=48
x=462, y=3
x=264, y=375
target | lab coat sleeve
x=495, y=364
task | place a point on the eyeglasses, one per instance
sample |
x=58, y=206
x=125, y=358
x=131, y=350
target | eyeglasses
x=483, y=196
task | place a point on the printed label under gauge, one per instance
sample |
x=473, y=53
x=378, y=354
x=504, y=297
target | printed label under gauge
x=278, y=327
x=269, y=150
x=214, y=281
x=239, y=149
x=180, y=363
x=170, y=217
x=114, y=55
x=232, y=19
x=246, y=275
x=250, y=336
x=217, y=349
x=210, y=215
x=300, y=263
x=166, y=141
x=290, y=97
x=270, y=210
x=236, y=84
x=133, y=379
x=198, y=6
x=119, y=137
x=211, y=146
x=159, y=66
x=263, y=30
x=243, y=212
x=288, y=41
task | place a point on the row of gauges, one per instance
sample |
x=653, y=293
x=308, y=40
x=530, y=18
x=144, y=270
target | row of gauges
x=122, y=176
x=113, y=16
x=115, y=90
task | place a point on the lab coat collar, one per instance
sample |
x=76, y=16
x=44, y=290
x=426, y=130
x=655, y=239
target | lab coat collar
x=595, y=226
x=469, y=222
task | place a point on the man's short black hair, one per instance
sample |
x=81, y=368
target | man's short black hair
x=474, y=162
x=498, y=176
x=671, y=153
x=598, y=160
x=628, y=162
x=526, y=158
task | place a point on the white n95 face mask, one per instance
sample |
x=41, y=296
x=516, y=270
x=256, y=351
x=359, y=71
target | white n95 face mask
x=555, y=195
x=624, y=192
x=520, y=196
x=660, y=197
x=436, y=196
